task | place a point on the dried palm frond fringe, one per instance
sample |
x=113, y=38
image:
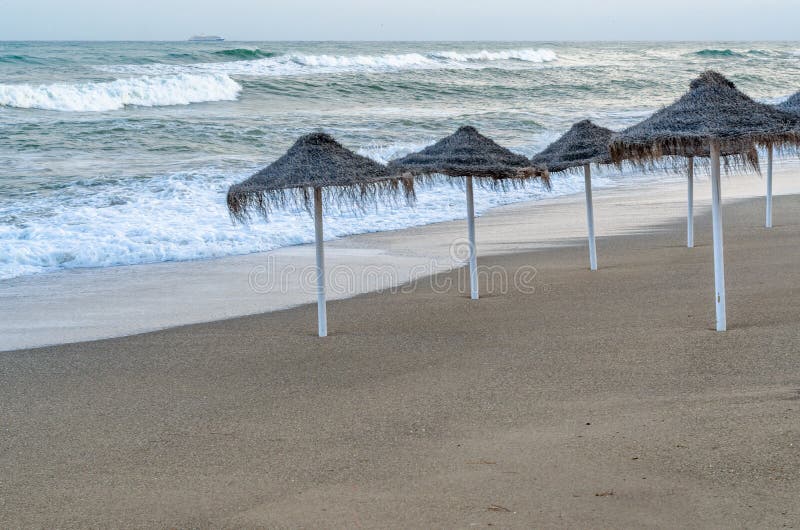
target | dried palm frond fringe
x=243, y=203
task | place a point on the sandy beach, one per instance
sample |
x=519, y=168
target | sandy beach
x=568, y=398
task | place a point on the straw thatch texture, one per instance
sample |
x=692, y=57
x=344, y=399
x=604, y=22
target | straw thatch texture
x=713, y=109
x=467, y=153
x=585, y=143
x=315, y=160
x=791, y=105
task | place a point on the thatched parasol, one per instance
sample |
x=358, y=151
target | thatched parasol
x=790, y=106
x=583, y=145
x=716, y=118
x=713, y=109
x=467, y=153
x=316, y=160
x=315, y=165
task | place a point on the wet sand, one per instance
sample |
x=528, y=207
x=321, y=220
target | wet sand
x=577, y=399
x=88, y=304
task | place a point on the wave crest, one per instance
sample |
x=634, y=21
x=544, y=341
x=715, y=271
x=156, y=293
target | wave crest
x=244, y=53
x=527, y=55
x=716, y=53
x=180, y=89
x=305, y=64
x=22, y=59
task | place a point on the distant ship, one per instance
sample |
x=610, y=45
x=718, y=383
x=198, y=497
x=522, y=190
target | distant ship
x=206, y=38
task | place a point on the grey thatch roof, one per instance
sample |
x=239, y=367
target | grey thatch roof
x=791, y=105
x=315, y=160
x=713, y=109
x=585, y=143
x=466, y=153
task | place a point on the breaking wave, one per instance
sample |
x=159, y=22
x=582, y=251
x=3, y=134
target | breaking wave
x=527, y=55
x=183, y=216
x=244, y=53
x=179, y=89
x=716, y=53
x=303, y=64
x=19, y=59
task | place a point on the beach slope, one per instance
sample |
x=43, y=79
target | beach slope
x=567, y=399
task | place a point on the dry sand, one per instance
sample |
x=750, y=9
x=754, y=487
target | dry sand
x=598, y=400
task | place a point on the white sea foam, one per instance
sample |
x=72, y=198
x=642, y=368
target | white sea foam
x=527, y=55
x=304, y=64
x=394, y=61
x=183, y=216
x=177, y=89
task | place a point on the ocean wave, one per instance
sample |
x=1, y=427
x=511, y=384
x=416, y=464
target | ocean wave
x=183, y=216
x=244, y=53
x=19, y=59
x=303, y=64
x=181, y=55
x=383, y=153
x=527, y=55
x=717, y=53
x=179, y=89
x=727, y=52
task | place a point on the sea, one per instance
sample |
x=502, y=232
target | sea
x=119, y=153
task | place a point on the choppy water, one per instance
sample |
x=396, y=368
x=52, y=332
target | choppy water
x=120, y=153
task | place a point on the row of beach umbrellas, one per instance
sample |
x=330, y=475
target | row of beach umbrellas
x=712, y=122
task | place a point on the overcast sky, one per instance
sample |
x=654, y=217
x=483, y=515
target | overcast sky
x=401, y=20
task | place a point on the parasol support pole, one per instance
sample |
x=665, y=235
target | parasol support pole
x=690, y=205
x=587, y=170
x=716, y=217
x=322, y=317
x=769, y=186
x=473, y=252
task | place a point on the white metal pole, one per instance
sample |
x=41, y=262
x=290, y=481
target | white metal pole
x=590, y=216
x=322, y=317
x=769, y=186
x=690, y=205
x=473, y=251
x=716, y=216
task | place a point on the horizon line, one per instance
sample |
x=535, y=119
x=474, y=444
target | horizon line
x=410, y=40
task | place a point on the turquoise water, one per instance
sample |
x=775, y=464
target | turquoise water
x=118, y=153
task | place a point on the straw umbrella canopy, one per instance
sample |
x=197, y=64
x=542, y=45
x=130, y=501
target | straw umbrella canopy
x=583, y=145
x=713, y=111
x=467, y=153
x=790, y=106
x=320, y=167
x=712, y=117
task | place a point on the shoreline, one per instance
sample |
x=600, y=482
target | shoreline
x=93, y=304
